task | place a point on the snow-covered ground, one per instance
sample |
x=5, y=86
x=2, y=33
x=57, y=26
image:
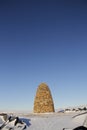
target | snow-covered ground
x=55, y=121
x=51, y=121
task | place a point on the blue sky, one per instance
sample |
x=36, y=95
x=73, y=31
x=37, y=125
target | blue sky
x=43, y=41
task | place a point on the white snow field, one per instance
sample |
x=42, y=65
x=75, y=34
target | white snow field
x=49, y=121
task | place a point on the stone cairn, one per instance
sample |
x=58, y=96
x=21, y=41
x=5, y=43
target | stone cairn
x=43, y=102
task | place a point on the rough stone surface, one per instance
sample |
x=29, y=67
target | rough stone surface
x=43, y=102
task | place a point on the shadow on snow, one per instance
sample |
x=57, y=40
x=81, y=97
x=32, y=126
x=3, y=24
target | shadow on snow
x=27, y=121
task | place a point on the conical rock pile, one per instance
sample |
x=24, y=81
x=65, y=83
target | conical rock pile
x=43, y=102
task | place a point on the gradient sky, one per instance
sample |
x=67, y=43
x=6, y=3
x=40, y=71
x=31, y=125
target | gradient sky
x=43, y=41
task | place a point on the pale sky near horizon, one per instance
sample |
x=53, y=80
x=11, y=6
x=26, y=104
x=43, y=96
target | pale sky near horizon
x=43, y=41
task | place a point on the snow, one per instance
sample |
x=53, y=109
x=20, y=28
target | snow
x=53, y=121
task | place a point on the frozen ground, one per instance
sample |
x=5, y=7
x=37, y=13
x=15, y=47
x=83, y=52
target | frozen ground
x=54, y=121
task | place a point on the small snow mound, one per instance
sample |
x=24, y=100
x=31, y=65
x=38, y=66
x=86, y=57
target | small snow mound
x=80, y=117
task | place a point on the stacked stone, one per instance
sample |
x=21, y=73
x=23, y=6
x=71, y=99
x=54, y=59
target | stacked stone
x=43, y=101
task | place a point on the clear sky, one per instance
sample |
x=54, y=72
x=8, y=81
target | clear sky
x=43, y=41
